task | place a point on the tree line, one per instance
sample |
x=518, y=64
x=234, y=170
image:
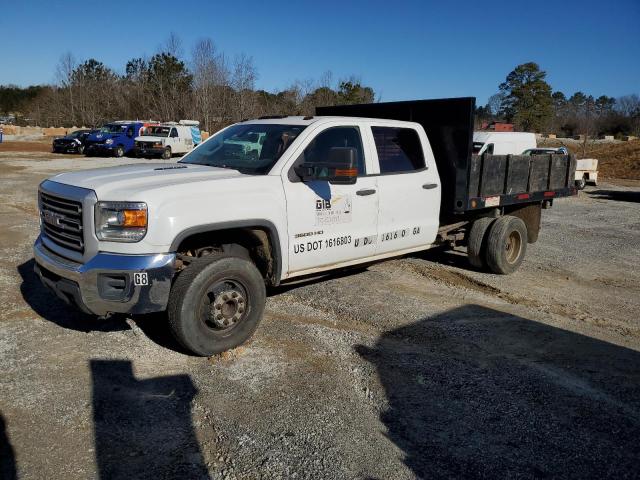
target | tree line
x=210, y=87
x=528, y=101
x=207, y=86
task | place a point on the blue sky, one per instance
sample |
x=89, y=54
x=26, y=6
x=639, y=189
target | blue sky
x=403, y=49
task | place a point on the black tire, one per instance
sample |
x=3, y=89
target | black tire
x=580, y=184
x=80, y=149
x=203, y=291
x=119, y=151
x=477, y=241
x=166, y=153
x=506, y=244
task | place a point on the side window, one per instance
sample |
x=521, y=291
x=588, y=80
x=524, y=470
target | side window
x=174, y=132
x=399, y=149
x=318, y=149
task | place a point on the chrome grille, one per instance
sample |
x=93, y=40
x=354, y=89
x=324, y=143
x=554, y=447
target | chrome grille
x=62, y=221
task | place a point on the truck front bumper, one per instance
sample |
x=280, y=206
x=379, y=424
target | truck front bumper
x=100, y=148
x=148, y=151
x=108, y=282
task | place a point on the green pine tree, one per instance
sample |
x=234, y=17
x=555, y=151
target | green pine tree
x=527, y=100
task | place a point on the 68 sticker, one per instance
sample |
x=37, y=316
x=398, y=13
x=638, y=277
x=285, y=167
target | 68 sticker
x=140, y=279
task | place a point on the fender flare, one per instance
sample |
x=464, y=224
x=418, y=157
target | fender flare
x=269, y=227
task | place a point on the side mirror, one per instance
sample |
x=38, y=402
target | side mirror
x=341, y=168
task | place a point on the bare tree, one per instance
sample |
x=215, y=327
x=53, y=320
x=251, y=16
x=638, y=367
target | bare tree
x=173, y=46
x=243, y=81
x=211, y=90
x=64, y=77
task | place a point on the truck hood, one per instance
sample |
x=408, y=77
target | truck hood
x=101, y=137
x=130, y=182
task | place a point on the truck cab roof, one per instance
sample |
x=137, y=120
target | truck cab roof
x=310, y=120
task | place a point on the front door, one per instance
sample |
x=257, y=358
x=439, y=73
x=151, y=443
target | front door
x=330, y=224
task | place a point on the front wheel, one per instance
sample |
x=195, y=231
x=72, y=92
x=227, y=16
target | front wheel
x=580, y=184
x=80, y=149
x=166, y=153
x=216, y=304
x=119, y=151
x=506, y=244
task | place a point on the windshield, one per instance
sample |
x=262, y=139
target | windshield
x=249, y=148
x=156, y=131
x=76, y=134
x=477, y=146
x=112, y=128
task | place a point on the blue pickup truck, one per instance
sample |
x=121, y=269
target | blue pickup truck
x=114, y=139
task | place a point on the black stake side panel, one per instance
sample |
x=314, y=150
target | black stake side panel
x=449, y=126
x=519, y=179
x=518, y=176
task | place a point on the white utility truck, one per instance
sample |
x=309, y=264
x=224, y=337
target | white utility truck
x=503, y=143
x=270, y=200
x=168, y=139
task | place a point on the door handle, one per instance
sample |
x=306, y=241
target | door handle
x=366, y=191
x=429, y=186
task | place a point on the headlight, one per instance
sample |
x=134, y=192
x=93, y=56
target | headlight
x=108, y=141
x=121, y=221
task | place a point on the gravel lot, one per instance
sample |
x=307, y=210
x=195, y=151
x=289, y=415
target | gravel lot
x=413, y=368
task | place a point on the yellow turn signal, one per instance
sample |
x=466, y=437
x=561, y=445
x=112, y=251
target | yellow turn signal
x=135, y=218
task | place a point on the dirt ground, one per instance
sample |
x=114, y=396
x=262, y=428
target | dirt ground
x=25, y=146
x=413, y=368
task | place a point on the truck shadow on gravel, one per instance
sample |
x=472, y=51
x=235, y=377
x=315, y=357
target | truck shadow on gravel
x=7, y=455
x=616, y=195
x=51, y=308
x=478, y=393
x=143, y=428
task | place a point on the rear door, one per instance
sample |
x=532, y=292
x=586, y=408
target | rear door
x=409, y=189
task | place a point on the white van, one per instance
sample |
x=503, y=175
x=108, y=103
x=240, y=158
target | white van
x=502, y=143
x=168, y=139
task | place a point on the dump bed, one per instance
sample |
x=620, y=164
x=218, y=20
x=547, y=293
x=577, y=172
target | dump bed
x=471, y=183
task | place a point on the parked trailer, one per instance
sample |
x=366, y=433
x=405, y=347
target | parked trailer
x=586, y=172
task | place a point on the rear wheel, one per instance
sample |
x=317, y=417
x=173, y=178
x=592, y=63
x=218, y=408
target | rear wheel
x=216, y=304
x=119, y=151
x=580, y=184
x=477, y=241
x=506, y=244
x=166, y=153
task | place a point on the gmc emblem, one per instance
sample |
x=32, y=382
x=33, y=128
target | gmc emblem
x=52, y=218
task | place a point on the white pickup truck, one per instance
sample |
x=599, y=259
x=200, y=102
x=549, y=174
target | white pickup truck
x=202, y=238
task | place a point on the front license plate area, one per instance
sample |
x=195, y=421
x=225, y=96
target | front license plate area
x=140, y=279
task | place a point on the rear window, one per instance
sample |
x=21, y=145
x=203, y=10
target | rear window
x=399, y=149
